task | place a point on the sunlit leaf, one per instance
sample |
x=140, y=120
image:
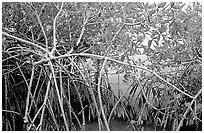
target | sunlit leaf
x=192, y=14
x=149, y=43
x=162, y=29
x=177, y=96
x=156, y=42
x=188, y=105
x=152, y=12
x=146, y=4
x=123, y=57
x=88, y=13
x=172, y=4
x=191, y=121
x=128, y=9
x=161, y=4
x=182, y=6
x=178, y=6
x=139, y=5
x=151, y=6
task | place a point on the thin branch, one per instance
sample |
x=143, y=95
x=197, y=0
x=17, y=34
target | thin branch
x=99, y=94
x=187, y=110
x=119, y=100
x=25, y=41
x=58, y=95
x=147, y=101
x=120, y=29
x=10, y=111
x=54, y=29
x=44, y=103
x=53, y=115
x=83, y=28
x=41, y=107
x=117, y=61
x=22, y=74
x=43, y=30
x=90, y=90
x=109, y=47
x=33, y=102
x=28, y=95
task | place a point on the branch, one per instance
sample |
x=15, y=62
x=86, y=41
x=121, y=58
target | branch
x=115, y=105
x=10, y=111
x=54, y=29
x=124, y=24
x=117, y=61
x=147, y=101
x=43, y=30
x=58, y=96
x=25, y=41
x=38, y=18
x=28, y=95
x=109, y=47
x=83, y=28
x=99, y=94
x=90, y=90
x=186, y=112
x=43, y=105
x=82, y=32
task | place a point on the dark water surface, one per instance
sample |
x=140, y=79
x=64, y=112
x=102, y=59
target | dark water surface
x=115, y=126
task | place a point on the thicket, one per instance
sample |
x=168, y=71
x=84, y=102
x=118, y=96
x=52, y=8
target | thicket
x=56, y=57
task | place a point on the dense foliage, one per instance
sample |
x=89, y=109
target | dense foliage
x=56, y=59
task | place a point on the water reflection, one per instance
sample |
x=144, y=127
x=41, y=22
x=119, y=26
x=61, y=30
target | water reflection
x=117, y=126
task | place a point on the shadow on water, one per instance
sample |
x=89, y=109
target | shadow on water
x=116, y=126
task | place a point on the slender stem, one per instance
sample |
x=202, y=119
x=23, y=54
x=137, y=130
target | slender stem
x=53, y=115
x=10, y=111
x=120, y=29
x=34, y=94
x=147, y=101
x=43, y=30
x=29, y=91
x=69, y=103
x=58, y=96
x=44, y=103
x=187, y=110
x=25, y=41
x=114, y=107
x=81, y=104
x=109, y=47
x=79, y=96
x=99, y=95
x=61, y=87
x=89, y=89
x=54, y=29
x=83, y=28
x=6, y=94
x=117, y=61
x=22, y=74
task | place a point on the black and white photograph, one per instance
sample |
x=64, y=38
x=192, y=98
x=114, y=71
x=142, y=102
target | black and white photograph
x=101, y=66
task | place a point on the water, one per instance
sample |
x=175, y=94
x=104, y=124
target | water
x=116, y=126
